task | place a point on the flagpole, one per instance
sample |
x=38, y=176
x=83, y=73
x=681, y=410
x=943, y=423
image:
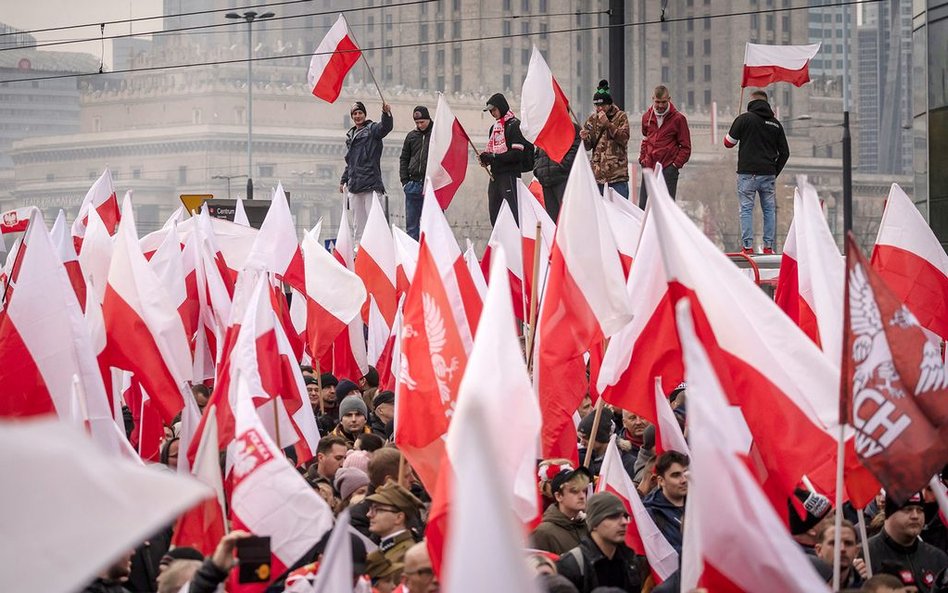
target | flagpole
x=319, y=387
x=569, y=108
x=740, y=102
x=531, y=334
x=401, y=469
x=276, y=423
x=364, y=59
x=593, y=431
x=843, y=415
x=838, y=521
x=865, y=542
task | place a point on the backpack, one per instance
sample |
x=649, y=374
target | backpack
x=528, y=159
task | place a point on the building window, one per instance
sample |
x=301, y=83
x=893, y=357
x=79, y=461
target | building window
x=388, y=72
x=543, y=30
x=507, y=28
x=542, y=6
x=526, y=6
x=440, y=82
x=691, y=25
x=457, y=83
x=423, y=32
x=666, y=74
x=755, y=21
x=457, y=4
x=691, y=48
x=507, y=5
x=440, y=31
x=507, y=58
x=388, y=22
x=579, y=43
x=196, y=116
x=507, y=82
x=423, y=58
x=264, y=170
x=456, y=29
x=525, y=27
x=707, y=72
x=770, y=22
x=182, y=175
x=371, y=24
x=525, y=57
x=707, y=47
x=664, y=49
x=388, y=48
x=440, y=58
x=707, y=99
x=456, y=56
x=691, y=73
x=50, y=176
x=707, y=23
x=137, y=173
x=786, y=23
x=691, y=98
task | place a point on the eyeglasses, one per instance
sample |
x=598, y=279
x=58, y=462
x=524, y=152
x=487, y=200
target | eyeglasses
x=422, y=572
x=376, y=508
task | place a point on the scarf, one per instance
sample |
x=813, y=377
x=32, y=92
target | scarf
x=497, y=144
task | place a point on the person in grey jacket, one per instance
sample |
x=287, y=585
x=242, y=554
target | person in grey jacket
x=363, y=172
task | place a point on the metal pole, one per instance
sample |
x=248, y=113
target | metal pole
x=847, y=138
x=249, y=108
x=617, y=52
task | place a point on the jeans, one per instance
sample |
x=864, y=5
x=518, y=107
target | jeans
x=414, y=198
x=749, y=184
x=670, y=173
x=621, y=188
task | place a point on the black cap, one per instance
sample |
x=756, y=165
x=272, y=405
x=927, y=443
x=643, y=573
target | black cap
x=383, y=397
x=892, y=506
x=328, y=380
x=181, y=553
x=357, y=106
x=372, y=377
x=345, y=387
x=420, y=112
x=605, y=425
x=602, y=95
x=566, y=475
x=310, y=380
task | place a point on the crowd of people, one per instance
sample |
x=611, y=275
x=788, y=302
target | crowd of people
x=579, y=544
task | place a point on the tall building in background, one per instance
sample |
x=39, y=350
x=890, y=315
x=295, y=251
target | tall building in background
x=884, y=106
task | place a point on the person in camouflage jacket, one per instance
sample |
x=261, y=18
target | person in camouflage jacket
x=606, y=134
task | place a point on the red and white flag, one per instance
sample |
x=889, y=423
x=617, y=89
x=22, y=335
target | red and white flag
x=334, y=296
x=911, y=260
x=532, y=213
x=202, y=526
x=67, y=254
x=16, y=220
x=642, y=535
x=474, y=267
x=375, y=263
x=269, y=497
x=787, y=294
x=96, y=254
x=544, y=110
x=406, y=258
x=349, y=357
x=335, y=55
x=585, y=301
x=668, y=434
x=145, y=332
x=240, y=213
x=275, y=248
x=728, y=516
x=625, y=220
x=101, y=198
x=447, y=154
x=895, y=383
x=507, y=235
x=766, y=64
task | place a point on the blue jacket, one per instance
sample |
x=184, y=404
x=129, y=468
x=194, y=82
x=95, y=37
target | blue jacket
x=667, y=517
x=363, y=171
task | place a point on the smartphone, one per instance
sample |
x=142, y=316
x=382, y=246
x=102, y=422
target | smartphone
x=253, y=556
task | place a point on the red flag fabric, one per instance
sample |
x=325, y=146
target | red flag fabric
x=911, y=260
x=275, y=248
x=67, y=254
x=375, y=263
x=766, y=64
x=202, y=526
x=544, y=110
x=101, y=198
x=507, y=234
x=16, y=220
x=349, y=356
x=447, y=154
x=335, y=55
x=895, y=383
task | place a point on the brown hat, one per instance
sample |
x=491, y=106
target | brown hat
x=378, y=566
x=397, y=496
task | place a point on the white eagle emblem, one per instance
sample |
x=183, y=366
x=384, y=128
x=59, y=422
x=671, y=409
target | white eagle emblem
x=443, y=369
x=870, y=349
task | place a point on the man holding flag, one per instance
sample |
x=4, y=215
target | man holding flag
x=363, y=172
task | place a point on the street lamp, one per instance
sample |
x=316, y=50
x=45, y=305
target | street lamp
x=228, y=178
x=250, y=16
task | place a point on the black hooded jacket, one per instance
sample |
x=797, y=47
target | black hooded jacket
x=519, y=151
x=763, y=148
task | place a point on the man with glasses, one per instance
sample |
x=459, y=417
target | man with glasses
x=391, y=510
x=419, y=576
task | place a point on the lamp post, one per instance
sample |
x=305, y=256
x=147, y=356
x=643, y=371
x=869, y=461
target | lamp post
x=250, y=16
x=228, y=178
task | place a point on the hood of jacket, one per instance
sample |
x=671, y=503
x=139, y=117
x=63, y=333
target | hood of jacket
x=499, y=101
x=554, y=515
x=761, y=108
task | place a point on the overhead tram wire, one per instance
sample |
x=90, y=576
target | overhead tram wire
x=441, y=42
x=209, y=26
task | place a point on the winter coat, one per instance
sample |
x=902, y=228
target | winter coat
x=763, y=148
x=556, y=532
x=341, y=432
x=586, y=575
x=512, y=161
x=550, y=173
x=667, y=517
x=669, y=144
x=363, y=172
x=609, y=144
x=922, y=560
x=414, y=158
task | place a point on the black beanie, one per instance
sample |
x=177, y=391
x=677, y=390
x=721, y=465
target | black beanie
x=602, y=96
x=604, y=430
x=420, y=112
x=357, y=106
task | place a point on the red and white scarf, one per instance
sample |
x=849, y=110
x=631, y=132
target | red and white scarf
x=497, y=144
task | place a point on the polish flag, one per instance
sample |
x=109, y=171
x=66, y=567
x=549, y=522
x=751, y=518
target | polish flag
x=496, y=386
x=786, y=388
x=647, y=347
x=229, y=243
x=335, y=56
x=767, y=64
x=787, y=294
x=334, y=296
x=101, y=198
x=150, y=242
x=67, y=254
x=375, y=263
x=16, y=220
x=432, y=362
x=96, y=254
x=625, y=220
x=911, y=260
x=474, y=267
x=202, y=527
x=536, y=190
x=443, y=247
x=149, y=429
x=379, y=333
x=507, y=235
x=728, y=515
x=45, y=345
x=532, y=213
x=349, y=349
x=145, y=333
x=269, y=497
x=585, y=300
x=642, y=535
x=275, y=248
x=406, y=258
x=447, y=154
x=168, y=265
x=389, y=360
x=544, y=110
x=669, y=436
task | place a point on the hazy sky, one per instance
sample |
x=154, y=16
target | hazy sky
x=56, y=13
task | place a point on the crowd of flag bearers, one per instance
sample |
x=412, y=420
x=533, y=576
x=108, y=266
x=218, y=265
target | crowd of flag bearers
x=601, y=402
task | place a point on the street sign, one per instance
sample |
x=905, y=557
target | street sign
x=192, y=202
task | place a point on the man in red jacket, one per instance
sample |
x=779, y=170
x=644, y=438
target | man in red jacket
x=667, y=141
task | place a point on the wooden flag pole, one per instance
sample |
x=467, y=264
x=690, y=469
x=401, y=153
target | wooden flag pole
x=592, y=433
x=365, y=60
x=531, y=333
x=319, y=387
x=401, y=469
x=740, y=102
x=865, y=541
x=276, y=424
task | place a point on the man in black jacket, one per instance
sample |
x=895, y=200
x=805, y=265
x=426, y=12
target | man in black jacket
x=508, y=154
x=411, y=168
x=363, y=172
x=762, y=154
x=552, y=175
x=898, y=543
x=602, y=559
